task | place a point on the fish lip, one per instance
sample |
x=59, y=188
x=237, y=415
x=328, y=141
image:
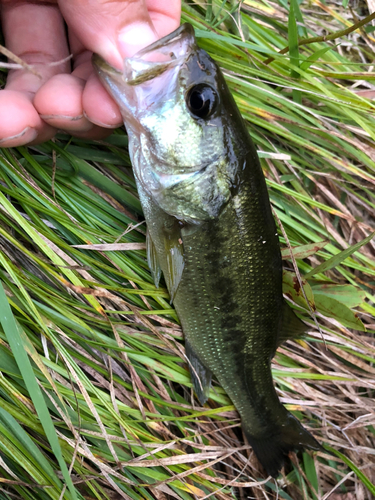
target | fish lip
x=100, y=64
x=137, y=70
x=152, y=71
x=172, y=50
x=186, y=30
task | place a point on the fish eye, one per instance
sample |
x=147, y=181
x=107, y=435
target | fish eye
x=201, y=100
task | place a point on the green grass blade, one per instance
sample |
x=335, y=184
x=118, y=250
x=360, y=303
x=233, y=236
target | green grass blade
x=340, y=257
x=365, y=480
x=25, y=439
x=293, y=46
x=15, y=341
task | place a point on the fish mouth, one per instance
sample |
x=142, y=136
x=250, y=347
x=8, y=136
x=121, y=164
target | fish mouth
x=150, y=77
x=155, y=59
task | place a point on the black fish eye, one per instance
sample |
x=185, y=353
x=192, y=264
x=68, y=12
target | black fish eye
x=201, y=100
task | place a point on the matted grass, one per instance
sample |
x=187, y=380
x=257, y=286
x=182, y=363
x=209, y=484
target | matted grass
x=95, y=395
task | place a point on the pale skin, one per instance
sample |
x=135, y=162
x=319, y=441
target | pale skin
x=69, y=97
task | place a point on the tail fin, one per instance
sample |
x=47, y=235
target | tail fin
x=272, y=447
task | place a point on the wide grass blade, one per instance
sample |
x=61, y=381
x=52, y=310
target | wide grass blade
x=340, y=257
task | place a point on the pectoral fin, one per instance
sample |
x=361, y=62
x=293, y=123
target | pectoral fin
x=292, y=327
x=200, y=375
x=152, y=260
x=174, y=251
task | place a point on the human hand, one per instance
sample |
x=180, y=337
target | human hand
x=69, y=96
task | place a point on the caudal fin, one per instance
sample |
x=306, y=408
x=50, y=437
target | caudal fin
x=272, y=447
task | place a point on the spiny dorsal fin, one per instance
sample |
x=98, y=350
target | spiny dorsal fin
x=200, y=375
x=152, y=259
x=292, y=327
x=174, y=251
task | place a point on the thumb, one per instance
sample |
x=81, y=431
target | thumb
x=133, y=37
x=118, y=29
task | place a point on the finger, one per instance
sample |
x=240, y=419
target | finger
x=59, y=103
x=107, y=114
x=34, y=32
x=59, y=100
x=81, y=57
x=118, y=29
x=70, y=104
x=165, y=16
x=19, y=121
x=98, y=107
x=114, y=29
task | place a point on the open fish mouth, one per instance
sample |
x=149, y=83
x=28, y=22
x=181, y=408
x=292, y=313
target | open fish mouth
x=155, y=59
x=150, y=76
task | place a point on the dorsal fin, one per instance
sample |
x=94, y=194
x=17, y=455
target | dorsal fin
x=292, y=327
x=174, y=251
x=152, y=259
x=200, y=375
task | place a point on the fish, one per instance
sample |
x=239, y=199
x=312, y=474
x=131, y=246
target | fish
x=210, y=231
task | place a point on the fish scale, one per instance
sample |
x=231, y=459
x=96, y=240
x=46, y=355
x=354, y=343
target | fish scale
x=210, y=231
x=238, y=304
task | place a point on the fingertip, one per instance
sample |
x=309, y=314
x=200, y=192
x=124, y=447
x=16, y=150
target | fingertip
x=134, y=37
x=59, y=103
x=98, y=106
x=26, y=136
x=83, y=70
x=20, y=122
x=60, y=95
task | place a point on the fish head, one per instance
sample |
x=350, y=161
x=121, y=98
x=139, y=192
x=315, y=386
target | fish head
x=181, y=122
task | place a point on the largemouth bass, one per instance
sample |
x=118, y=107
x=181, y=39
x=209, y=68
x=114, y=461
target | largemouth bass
x=210, y=230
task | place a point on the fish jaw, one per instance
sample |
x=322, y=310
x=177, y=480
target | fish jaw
x=148, y=76
x=155, y=59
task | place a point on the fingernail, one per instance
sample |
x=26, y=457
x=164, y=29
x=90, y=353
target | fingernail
x=135, y=37
x=28, y=134
x=61, y=117
x=68, y=123
x=101, y=124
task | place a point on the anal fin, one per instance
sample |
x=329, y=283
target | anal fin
x=200, y=375
x=292, y=327
x=152, y=260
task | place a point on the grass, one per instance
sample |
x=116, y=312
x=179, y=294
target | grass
x=95, y=396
